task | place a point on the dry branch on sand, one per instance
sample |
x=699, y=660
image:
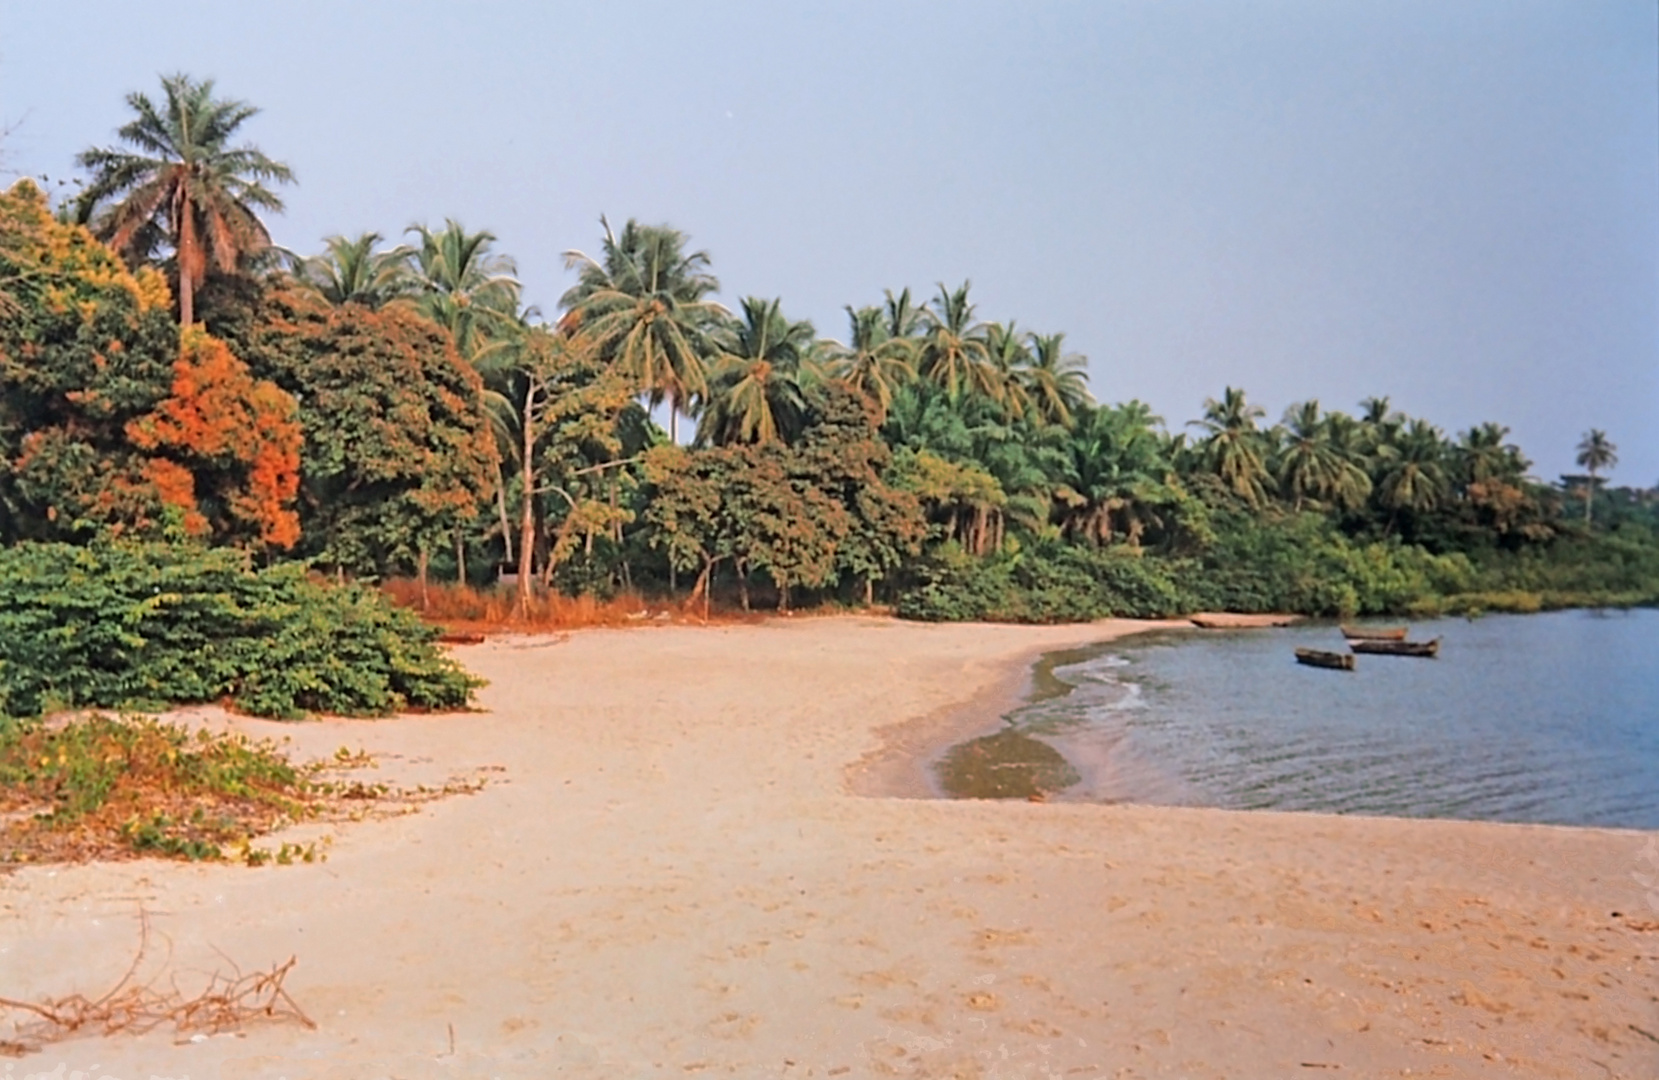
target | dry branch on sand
x=225, y=1003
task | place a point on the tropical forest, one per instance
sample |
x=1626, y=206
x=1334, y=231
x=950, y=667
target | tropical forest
x=231, y=470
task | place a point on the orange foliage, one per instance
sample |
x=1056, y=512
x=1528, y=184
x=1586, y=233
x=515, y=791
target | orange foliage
x=463, y=608
x=175, y=485
x=220, y=414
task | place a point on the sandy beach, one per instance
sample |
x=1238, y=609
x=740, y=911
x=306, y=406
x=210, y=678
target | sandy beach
x=701, y=852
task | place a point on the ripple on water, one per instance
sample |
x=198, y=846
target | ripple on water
x=1541, y=718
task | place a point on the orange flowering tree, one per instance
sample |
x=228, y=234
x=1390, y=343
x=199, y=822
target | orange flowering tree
x=232, y=446
x=108, y=421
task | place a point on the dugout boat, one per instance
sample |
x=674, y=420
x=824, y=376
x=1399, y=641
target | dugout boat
x=1397, y=648
x=1320, y=658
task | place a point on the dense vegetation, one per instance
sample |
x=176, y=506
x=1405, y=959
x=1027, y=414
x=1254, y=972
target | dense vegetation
x=131, y=624
x=380, y=410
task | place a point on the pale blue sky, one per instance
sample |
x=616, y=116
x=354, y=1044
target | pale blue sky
x=1452, y=203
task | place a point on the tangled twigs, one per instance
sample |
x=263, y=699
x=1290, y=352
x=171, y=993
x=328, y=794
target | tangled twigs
x=224, y=1004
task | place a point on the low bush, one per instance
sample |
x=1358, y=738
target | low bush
x=1059, y=583
x=99, y=786
x=126, y=624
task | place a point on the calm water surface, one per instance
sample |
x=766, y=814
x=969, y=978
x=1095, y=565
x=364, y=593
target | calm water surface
x=1533, y=718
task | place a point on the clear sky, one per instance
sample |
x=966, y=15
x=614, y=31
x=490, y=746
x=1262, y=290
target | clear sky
x=1455, y=204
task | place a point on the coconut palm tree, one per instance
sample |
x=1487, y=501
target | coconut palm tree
x=874, y=362
x=1313, y=464
x=900, y=315
x=353, y=272
x=1056, y=381
x=757, y=388
x=644, y=304
x=1234, y=448
x=183, y=185
x=1414, y=471
x=1595, y=453
x=953, y=353
x=465, y=287
x=1484, y=457
x=1346, y=437
x=1008, y=358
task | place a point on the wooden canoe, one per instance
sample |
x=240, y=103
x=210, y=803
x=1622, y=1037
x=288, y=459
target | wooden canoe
x=1397, y=648
x=1374, y=633
x=1320, y=658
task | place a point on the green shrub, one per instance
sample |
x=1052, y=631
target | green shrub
x=1055, y=583
x=146, y=625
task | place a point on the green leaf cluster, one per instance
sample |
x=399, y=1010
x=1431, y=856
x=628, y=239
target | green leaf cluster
x=146, y=625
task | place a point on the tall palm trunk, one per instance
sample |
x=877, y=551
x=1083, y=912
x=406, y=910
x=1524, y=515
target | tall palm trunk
x=1589, y=496
x=189, y=254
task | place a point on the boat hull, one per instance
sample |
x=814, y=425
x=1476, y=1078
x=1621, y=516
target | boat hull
x=1319, y=658
x=1397, y=648
x=1361, y=633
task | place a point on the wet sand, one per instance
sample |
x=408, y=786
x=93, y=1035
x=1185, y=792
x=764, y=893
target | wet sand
x=681, y=867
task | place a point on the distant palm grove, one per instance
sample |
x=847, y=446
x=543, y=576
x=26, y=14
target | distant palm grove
x=385, y=408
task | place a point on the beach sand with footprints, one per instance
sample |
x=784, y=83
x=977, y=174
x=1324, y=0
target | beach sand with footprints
x=701, y=852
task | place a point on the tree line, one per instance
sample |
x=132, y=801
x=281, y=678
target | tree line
x=397, y=408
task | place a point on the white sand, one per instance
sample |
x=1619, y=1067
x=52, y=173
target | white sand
x=676, y=875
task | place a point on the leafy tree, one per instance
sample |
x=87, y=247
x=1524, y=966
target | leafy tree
x=962, y=501
x=644, y=305
x=397, y=446
x=183, y=185
x=1233, y=448
x=353, y=272
x=757, y=391
x=842, y=454
x=1595, y=452
x=227, y=445
x=575, y=441
x=105, y=421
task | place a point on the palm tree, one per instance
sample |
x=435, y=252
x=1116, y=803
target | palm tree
x=1595, y=453
x=1414, y=472
x=465, y=287
x=183, y=185
x=353, y=272
x=900, y=315
x=875, y=363
x=1233, y=447
x=756, y=392
x=1116, y=467
x=1056, y=381
x=953, y=353
x=644, y=304
x=1346, y=437
x=1008, y=358
x=1313, y=464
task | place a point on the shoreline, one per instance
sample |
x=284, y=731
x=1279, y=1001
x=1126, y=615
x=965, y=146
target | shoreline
x=669, y=876
x=902, y=766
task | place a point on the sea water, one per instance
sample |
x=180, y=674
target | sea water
x=1528, y=718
